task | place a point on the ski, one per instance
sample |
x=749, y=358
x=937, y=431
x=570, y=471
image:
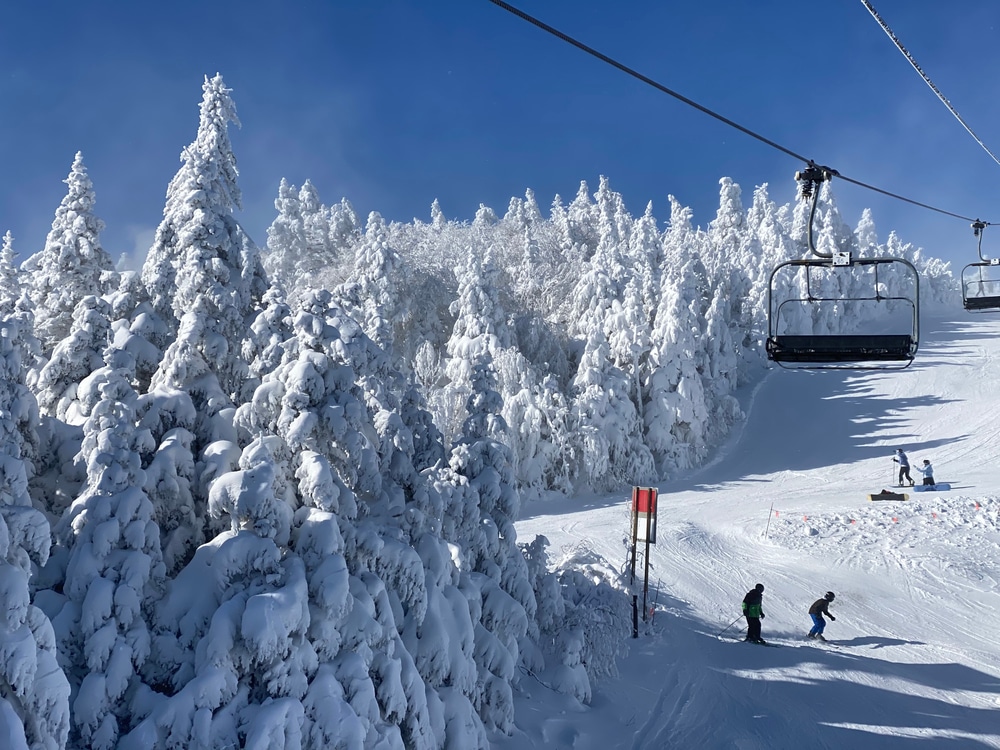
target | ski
x=769, y=644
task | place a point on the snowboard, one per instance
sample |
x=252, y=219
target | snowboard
x=887, y=495
x=939, y=487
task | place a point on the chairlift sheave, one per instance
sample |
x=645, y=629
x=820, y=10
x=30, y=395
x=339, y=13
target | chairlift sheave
x=890, y=342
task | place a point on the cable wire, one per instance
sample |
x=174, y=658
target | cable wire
x=927, y=80
x=690, y=102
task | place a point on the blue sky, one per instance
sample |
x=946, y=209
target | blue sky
x=392, y=104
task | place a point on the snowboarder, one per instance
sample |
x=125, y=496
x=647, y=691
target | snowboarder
x=904, y=466
x=928, y=471
x=819, y=608
x=752, y=610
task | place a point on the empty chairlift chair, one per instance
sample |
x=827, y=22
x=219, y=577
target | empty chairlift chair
x=981, y=280
x=868, y=307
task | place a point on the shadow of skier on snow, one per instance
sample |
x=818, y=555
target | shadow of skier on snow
x=875, y=642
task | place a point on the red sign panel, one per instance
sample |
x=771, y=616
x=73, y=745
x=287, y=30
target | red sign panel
x=644, y=514
x=644, y=500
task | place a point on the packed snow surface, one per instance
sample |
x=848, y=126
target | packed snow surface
x=913, y=658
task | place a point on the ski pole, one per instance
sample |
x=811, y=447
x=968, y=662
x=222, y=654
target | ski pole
x=729, y=626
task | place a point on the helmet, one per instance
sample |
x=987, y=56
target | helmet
x=899, y=450
x=829, y=596
x=926, y=461
x=759, y=587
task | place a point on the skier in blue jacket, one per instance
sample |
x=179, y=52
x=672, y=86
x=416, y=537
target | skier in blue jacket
x=904, y=466
x=819, y=608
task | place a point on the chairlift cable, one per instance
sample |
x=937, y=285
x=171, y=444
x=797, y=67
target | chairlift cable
x=645, y=79
x=927, y=80
x=909, y=200
x=690, y=102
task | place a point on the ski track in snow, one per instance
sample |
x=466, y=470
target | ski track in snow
x=912, y=657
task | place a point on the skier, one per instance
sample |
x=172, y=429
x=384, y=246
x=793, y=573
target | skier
x=819, y=608
x=904, y=466
x=752, y=610
x=928, y=471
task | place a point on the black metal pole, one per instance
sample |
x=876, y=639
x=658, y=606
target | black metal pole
x=635, y=534
x=645, y=575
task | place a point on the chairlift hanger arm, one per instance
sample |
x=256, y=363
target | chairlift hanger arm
x=809, y=180
x=978, y=228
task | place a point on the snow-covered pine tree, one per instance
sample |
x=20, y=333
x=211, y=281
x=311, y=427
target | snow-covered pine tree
x=286, y=237
x=10, y=284
x=581, y=219
x=370, y=294
x=545, y=455
x=264, y=346
x=115, y=570
x=230, y=659
x=72, y=265
x=203, y=272
x=73, y=359
x=16, y=305
x=34, y=704
x=500, y=589
x=676, y=410
x=607, y=433
x=772, y=247
x=480, y=329
x=648, y=259
x=207, y=271
x=345, y=231
x=135, y=328
x=366, y=581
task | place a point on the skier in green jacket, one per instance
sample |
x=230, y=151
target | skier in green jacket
x=753, y=611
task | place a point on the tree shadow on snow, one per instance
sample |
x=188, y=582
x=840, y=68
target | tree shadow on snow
x=808, y=694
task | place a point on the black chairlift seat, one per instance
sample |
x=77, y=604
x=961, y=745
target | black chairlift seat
x=981, y=304
x=844, y=348
x=988, y=297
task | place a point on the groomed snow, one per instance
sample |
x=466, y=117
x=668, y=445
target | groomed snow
x=913, y=658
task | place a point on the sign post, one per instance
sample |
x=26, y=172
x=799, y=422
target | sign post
x=643, y=530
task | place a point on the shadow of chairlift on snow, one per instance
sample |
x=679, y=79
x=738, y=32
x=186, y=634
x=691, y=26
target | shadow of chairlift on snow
x=981, y=280
x=837, y=287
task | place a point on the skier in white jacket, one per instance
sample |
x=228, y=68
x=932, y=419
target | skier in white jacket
x=904, y=466
x=928, y=471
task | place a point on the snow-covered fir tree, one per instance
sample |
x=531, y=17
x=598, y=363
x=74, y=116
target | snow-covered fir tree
x=34, y=704
x=74, y=358
x=500, y=579
x=114, y=570
x=73, y=264
x=286, y=237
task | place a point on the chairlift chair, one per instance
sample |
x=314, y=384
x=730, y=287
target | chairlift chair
x=877, y=348
x=981, y=280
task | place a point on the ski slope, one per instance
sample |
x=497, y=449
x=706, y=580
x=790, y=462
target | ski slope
x=913, y=658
